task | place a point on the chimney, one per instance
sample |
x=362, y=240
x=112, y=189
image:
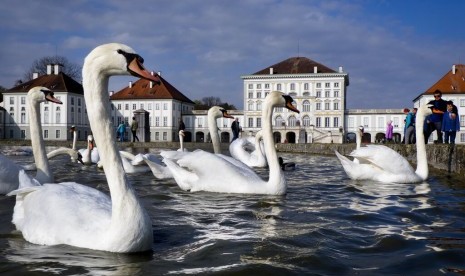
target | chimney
x=151, y=82
x=271, y=70
x=57, y=69
x=130, y=84
x=315, y=69
x=159, y=73
x=453, y=69
x=49, y=69
x=111, y=92
x=35, y=75
x=341, y=69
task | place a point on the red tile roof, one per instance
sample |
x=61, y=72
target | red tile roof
x=295, y=65
x=451, y=83
x=141, y=90
x=56, y=83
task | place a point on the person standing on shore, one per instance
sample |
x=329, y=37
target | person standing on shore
x=120, y=131
x=134, y=127
x=235, y=129
x=450, y=123
x=439, y=107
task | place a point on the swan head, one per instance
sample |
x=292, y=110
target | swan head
x=72, y=128
x=78, y=157
x=118, y=59
x=361, y=129
x=279, y=99
x=40, y=94
x=181, y=133
x=218, y=112
x=90, y=141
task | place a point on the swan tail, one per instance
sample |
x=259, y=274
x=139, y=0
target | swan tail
x=347, y=165
x=27, y=185
x=183, y=177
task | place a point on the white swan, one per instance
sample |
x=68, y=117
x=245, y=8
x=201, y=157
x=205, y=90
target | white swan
x=249, y=150
x=75, y=214
x=90, y=154
x=358, y=144
x=158, y=168
x=203, y=171
x=381, y=163
x=9, y=170
x=161, y=171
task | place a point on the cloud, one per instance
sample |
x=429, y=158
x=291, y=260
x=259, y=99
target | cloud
x=203, y=47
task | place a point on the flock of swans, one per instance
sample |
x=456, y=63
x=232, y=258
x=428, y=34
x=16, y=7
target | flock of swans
x=50, y=213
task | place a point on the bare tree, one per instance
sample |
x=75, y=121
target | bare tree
x=40, y=66
x=211, y=101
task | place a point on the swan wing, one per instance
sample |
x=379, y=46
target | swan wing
x=233, y=177
x=383, y=157
x=158, y=170
x=63, y=213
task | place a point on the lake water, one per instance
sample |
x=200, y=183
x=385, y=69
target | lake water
x=326, y=224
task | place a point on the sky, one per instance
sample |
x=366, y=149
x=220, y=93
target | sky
x=392, y=50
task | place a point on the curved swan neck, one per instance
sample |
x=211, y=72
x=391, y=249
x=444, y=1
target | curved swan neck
x=422, y=161
x=74, y=139
x=61, y=151
x=358, y=139
x=213, y=129
x=124, y=201
x=276, y=176
x=44, y=174
x=181, y=142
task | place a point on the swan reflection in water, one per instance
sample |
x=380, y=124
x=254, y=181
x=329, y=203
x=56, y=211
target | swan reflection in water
x=65, y=259
x=375, y=196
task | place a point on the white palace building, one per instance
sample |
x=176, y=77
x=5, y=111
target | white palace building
x=320, y=93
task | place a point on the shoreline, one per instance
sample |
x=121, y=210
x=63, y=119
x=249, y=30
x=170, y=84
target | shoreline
x=443, y=157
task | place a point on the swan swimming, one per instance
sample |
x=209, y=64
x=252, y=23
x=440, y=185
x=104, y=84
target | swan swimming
x=161, y=171
x=9, y=170
x=204, y=171
x=249, y=150
x=383, y=164
x=78, y=215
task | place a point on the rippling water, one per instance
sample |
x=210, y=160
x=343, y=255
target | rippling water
x=327, y=224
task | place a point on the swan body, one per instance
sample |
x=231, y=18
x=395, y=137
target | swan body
x=204, y=171
x=78, y=215
x=249, y=151
x=381, y=163
x=90, y=154
x=9, y=170
x=162, y=171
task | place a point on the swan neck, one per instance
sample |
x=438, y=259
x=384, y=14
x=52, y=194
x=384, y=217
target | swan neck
x=44, y=173
x=74, y=139
x=123, y=198
x=276, y=179
x=213, y=129
x=358, y=139
x=181, y=142
x=422, y=160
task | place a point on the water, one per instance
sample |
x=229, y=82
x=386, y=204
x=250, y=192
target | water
x=327, y=224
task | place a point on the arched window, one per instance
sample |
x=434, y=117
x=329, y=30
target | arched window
x=306, y=121
x=250, y=105
x=291, y=121
x=306, y=106
x=278, y=121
